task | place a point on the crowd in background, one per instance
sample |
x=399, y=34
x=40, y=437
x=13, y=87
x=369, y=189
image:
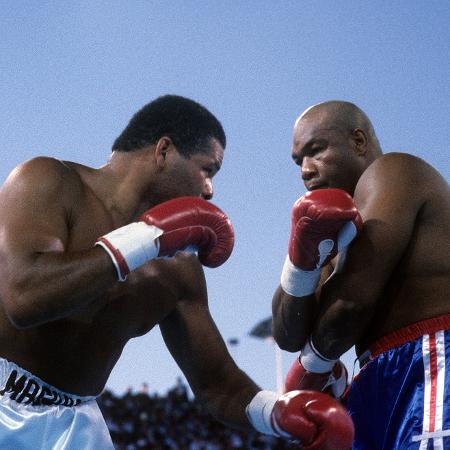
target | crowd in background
x=175, y=421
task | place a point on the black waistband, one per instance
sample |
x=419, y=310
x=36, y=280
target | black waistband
x=22, y=387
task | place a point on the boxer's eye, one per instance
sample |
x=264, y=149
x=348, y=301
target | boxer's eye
x=317, y=148
x=297, y=160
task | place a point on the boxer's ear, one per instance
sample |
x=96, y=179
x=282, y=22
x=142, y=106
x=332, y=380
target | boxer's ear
x=360, y=140
x=162, y=147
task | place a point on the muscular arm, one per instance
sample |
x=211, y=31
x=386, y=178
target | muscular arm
x=389, y=199
x=41, y=280
x=198, y=348
x=293, y=317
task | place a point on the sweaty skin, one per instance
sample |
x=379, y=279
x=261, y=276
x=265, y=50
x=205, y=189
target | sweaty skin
x=397, y=271
x=65, y=318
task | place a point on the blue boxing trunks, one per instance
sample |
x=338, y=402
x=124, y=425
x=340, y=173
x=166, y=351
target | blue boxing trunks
x=401, y=397
x=37, y=416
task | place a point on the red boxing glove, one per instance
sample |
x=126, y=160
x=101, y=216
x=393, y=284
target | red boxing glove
x=313, y=418
x=317, y=219
x=192, y=222
x=184, y=223
x=333, y=382
x=316, y=419
x=323, y=223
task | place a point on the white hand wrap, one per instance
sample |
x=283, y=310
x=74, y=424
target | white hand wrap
x=346, y=235
x=300, y=283
x=131, y=246
x=297, y=282
x=313, y=361
x=259, y=411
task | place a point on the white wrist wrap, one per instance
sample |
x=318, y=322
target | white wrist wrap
x=131, y=246
x=297, y=282
x=259, y=411
x=346, y=235
x=313, y=361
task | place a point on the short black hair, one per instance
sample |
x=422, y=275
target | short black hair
x=190, y=126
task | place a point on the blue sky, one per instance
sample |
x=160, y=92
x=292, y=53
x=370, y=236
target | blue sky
x=73, y=73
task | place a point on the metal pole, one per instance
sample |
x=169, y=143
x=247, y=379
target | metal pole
x=279, y=369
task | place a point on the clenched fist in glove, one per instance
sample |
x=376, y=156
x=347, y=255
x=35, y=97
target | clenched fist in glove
x=330, y=377
x=172, y=226
x=323, y=223
x=315, y=419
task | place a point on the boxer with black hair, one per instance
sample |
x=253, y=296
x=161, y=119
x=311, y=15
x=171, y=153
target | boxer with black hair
x=91, y=258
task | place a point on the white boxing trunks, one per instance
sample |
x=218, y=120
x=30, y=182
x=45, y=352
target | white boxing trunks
x=35, y=415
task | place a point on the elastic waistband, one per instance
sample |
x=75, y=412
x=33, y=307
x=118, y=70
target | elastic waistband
x=23, y=387
x=404, y=335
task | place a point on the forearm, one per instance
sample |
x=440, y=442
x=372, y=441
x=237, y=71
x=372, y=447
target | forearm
x=310, y=417
x=292, y=319
x=199, y=350
x=227, y=398
x=53, y=285
x=342, y=319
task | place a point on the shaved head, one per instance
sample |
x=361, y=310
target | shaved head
x=333, y=143
x=340, y=115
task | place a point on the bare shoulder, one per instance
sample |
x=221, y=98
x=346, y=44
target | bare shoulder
x=398, y=167
x=43, y=176
x=405, y=206
x=405, y=160
x=45, y=169
x=400, y=176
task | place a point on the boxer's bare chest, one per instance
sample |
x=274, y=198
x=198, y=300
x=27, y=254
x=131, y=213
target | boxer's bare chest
x=78, y=352
x=135, y=305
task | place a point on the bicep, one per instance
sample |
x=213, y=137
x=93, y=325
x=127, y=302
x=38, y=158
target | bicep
x=33, y=218
x=389, y=213
x=32, y=221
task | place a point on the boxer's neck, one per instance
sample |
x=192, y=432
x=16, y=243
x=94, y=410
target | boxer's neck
x=124, y=184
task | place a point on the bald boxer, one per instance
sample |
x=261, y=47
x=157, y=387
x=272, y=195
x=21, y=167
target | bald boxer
x=90, y=258
x=368, y=265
